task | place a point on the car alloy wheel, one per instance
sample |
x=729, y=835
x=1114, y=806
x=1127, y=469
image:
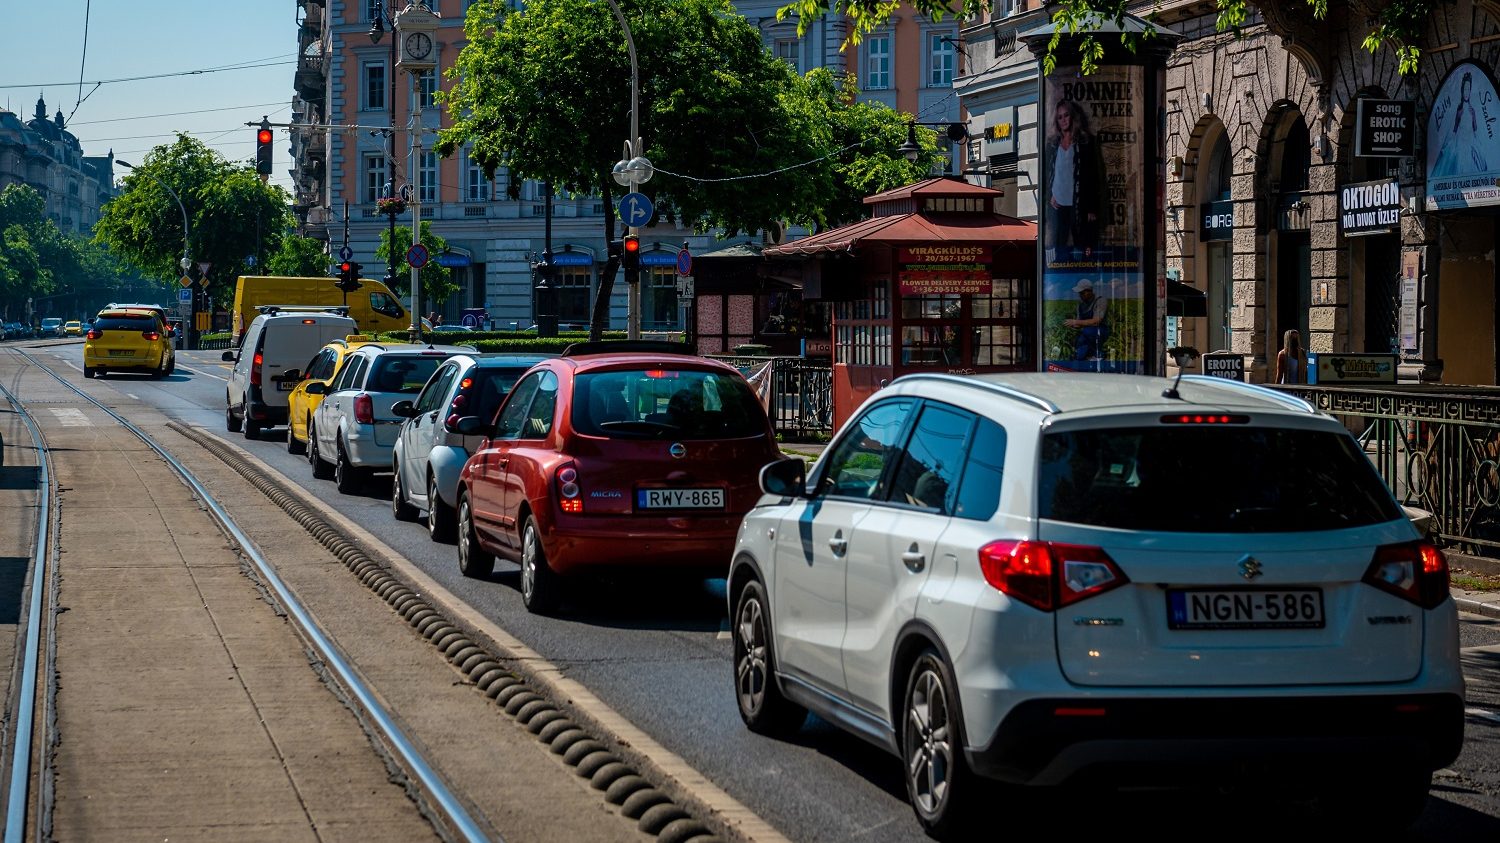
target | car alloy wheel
x=346, y=477
x=473, y=561
x=440, y=518
x=937, y=778
x=294, y=446
x=320, y=469
x=400, y=508
x=761, y=704
x=540, y=586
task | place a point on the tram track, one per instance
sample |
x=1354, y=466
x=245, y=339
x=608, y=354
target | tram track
x=26, y=800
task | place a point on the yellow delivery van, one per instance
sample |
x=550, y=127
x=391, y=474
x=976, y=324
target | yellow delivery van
x=373, y=307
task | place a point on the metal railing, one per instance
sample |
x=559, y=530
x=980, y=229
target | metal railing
x=1436, y=447
x=797, y=392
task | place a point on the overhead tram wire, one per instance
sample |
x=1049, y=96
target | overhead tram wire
x=72, y=123
x=198, y=72
x=83, y=61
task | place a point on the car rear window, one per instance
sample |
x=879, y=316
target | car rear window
x=1210, y=480
x=662, y=403
x=489, y=387
x=402, y=373
x=124, y=323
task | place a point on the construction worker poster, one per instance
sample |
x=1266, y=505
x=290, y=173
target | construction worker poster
x=1093, y=174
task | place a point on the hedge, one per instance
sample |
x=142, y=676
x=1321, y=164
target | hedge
x=472, y=337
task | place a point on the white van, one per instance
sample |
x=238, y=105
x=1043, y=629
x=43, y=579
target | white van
x=267, y=364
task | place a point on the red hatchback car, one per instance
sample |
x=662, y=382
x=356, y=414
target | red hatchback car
x=614, y=454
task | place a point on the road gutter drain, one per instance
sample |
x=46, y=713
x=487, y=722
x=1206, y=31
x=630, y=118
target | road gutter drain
x=654, y=812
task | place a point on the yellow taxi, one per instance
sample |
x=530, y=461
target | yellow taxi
x=323, y=368
x=128, y=341
x=73, y=328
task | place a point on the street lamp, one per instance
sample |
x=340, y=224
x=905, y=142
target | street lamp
x=187, y=262
x=377, y=32
x=632, y=170
x=957, y=133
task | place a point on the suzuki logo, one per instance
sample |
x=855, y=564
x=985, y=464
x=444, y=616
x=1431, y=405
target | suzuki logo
x=678, y=450
x=1249, y=568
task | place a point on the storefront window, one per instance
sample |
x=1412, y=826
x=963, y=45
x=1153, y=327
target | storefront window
x=661, y=294
x=573, y=293
x=998, y=323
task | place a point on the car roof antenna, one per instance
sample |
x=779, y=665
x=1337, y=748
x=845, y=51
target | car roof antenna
x=1184, y=356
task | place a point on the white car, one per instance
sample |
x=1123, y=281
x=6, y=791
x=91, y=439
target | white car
x=1030, y=578
x=354, y=430
x=430, y=452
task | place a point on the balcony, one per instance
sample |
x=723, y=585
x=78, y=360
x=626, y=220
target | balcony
x=309, y=81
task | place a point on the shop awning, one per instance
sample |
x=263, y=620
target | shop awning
x=916, y=227
x=1185, y=300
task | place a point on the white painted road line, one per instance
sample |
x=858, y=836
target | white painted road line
x=69, y=417
x=129, y=395
x=182, y=368
x=1491, y=716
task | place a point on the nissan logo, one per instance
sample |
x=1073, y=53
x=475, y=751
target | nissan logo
x=678, y=450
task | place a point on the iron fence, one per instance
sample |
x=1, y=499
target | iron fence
x=1437, y=448
x=797, y=392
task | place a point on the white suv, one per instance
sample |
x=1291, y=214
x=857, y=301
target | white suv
x=1040, y=576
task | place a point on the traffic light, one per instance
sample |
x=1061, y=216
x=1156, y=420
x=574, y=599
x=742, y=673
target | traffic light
x=630, y=252
x=616, y=247
x=349, y=277
x=263, y=154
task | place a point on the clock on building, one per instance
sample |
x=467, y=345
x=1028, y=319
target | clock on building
x=418, y=45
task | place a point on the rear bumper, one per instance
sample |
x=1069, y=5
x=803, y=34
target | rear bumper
x=365, y=451
x=1175, y=741
x=145, y=361
x=692, y=545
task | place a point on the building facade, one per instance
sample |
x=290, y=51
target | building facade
x=1276, y=207
x=42, y=153
x=343, y=78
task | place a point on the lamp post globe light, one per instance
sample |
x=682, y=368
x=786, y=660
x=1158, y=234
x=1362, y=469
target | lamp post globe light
x=186, y=262
x=633, y=168
x=380, y=20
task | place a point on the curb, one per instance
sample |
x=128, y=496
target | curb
x=1477, y=607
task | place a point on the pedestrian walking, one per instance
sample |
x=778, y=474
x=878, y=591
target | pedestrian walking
x=1291, y=363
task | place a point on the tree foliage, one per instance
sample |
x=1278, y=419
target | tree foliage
x=299, y=257
x=37, y=259
x=437, y=283
x=231, y=215
x=1400, y=26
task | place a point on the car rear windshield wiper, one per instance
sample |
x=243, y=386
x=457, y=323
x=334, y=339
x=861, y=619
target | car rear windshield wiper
x=640, y=426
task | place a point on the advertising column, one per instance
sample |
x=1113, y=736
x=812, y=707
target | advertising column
x=1102, y=249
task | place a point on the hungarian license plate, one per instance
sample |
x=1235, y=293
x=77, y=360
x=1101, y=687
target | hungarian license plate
x=679, y=498
x=121, y=352
x=286, y=386
x=1283, y=608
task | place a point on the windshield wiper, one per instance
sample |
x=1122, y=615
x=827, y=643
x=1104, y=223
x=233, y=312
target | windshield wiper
x=640, y=426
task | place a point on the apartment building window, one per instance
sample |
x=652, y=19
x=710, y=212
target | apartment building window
x=939, y=59
x=429, y=177
x=374, y=76
x=426, y=88
x=372, y=9
x=374, y=177
x=476, y=186
x=877, y=62
x=789, y=50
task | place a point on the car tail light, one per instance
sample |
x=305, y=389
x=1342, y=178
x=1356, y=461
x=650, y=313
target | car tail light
x=151, y=336
x=93, y=334
x=364, y=409
x=255, y=364
x=1048, y=575
x=1415, y=571
x=569, y=495
x=1204, y=418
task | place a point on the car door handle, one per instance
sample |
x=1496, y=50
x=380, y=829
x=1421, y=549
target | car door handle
x=838, y=544
x=913, y=559
x=503, y=463
x=432, y=416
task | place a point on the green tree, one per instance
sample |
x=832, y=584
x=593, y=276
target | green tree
x=437, y=281
x=1400, y=25
x=545, y=93
x=299, y=257
x=231, y=215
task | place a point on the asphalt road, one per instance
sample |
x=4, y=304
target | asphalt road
x=661, y=657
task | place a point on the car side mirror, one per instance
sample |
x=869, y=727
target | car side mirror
x=404, y=409
x=474, y=426
x=316, y=388
x=227, y=357
x=785, y=478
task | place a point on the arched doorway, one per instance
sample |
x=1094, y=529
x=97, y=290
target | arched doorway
x=1215, y=179
x=1289, y=292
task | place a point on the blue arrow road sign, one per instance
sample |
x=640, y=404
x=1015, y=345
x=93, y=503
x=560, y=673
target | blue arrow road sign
x=346, y=253
x=635, y=209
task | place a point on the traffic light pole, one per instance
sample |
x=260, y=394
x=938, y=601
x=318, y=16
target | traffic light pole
x=632, y=278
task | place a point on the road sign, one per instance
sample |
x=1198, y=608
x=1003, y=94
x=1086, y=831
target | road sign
x=184, y=308
x=416, y=256
x=635, y=209
x=250, y=260
x=345, y=253
x=684, y=291
x=684, y=262
x=185, y=295
x=185, y=281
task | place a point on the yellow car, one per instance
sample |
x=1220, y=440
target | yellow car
x=128, y=341
x=324, y=366
x=73, y=328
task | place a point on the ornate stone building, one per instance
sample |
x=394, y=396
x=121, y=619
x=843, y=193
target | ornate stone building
x=43, y=154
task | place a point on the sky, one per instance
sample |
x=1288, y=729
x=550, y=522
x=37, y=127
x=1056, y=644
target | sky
x=45, y=50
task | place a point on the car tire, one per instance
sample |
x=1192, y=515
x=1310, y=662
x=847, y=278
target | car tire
x=231, y=421
x=400, y=508
x=294, y=446
x=441, y=522
x=346, y=477
x=161, y=369
x=762, y=706
x=473, y=561
x=252, y=428
x=89, y=372
x=172, y=365
x=939, y=785
x=541, y=587
x=321, y=470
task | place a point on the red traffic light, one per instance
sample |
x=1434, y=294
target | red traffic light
x=632, y=244
x=344, y=267
x=263, y=136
